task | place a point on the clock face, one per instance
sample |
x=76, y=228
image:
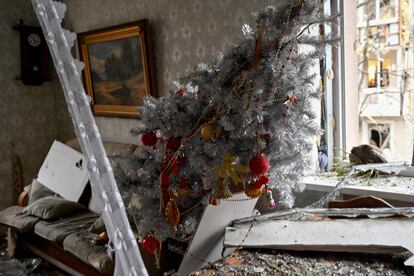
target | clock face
x=34, y=40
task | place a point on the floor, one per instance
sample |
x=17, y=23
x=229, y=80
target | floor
x=25, y=263
x=270, y=262
x=245, y=262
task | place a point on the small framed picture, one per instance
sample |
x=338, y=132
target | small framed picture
x=119, y=68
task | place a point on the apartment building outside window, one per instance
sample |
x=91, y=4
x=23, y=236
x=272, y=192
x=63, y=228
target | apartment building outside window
x=385, y=54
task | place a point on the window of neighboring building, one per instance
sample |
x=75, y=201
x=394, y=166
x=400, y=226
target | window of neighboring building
x=383, y=67
x=386, y=77
x=385, y=34
x=377, y=10
x=380, y=135
x=388, y=9
x=375, y=89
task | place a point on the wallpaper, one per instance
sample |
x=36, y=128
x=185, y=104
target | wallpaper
x=184, y=33
x=28, y=113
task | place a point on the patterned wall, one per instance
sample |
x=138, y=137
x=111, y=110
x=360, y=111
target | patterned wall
x=185, y=33
x=27, y=112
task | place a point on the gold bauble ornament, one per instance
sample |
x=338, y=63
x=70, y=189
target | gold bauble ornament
x=253, y=192
x=172, y=212
x=210, y=132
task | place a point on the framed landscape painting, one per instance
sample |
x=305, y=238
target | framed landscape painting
x=119, y=69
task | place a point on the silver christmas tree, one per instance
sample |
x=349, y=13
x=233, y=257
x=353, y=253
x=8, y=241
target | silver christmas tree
x=245, y=121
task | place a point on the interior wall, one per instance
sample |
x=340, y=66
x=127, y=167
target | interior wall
x=184, y=33
x=28, y=113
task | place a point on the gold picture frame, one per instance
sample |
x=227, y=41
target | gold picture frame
x=119, y=69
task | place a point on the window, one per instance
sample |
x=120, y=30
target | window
x=383, y=67
x=388, y=9
x=385, y=77
x=373, y=99
x=383, y=35
x=380, y=136
x=375, y=11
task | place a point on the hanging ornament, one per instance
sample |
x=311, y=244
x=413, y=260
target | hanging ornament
x=149, y=139
x=269, y=197
x=261, y=181
x=259, y=45
x=181, y=91
x=254, y=189
x=214, y=201
x=210, y=132
x=172, y=212
x=151, y=245
x=229, y=169
x=290, y=100
x=222, y=189
x=101, y=239
x=259, y=165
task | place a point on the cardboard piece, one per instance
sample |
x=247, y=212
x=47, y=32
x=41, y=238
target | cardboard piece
x=207, y=243
x=64, y=172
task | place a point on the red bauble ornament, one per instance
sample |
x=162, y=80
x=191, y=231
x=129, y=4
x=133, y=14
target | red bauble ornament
x=173, y=143
x=151, y=245
x=214, y=201
x=149, y=139
x=261, y=181
x=259, y=165
x=181, y=91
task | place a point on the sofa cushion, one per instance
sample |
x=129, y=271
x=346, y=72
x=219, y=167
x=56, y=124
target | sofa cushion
x=38, y=191
x=52, y=208
x=79, y=244
x=57, y=231
x=15, y=218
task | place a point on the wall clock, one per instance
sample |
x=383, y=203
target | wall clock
x=34, y=55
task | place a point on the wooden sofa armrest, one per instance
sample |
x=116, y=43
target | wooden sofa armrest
x=22, y=199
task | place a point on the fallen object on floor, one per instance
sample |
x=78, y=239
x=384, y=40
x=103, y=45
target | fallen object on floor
x=379, y=230
x=366, y=154
x=207, y=244
x=272, y=262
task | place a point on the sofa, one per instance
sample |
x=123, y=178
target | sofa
x=65, y=242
